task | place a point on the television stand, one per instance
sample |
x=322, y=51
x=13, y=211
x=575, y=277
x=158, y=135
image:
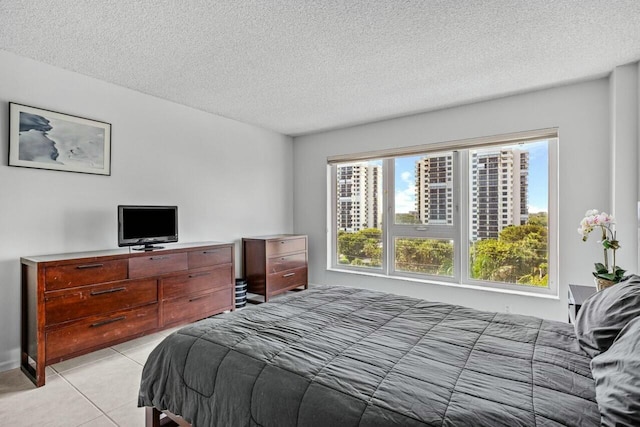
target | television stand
x=148, y=248
x=73, y=304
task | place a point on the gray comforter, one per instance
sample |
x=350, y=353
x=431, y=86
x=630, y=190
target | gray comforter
x=335, y=356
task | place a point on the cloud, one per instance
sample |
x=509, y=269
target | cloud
x=535, y=209
x=406, y=199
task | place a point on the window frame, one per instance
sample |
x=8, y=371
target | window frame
x=460, y=232
x=424, y=231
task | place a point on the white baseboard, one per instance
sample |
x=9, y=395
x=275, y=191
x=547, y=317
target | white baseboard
x=13, y=362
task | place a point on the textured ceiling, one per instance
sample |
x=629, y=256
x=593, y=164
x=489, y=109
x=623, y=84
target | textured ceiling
x=300, y=66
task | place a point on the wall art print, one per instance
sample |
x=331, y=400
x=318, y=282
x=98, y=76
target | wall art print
x=45, y=139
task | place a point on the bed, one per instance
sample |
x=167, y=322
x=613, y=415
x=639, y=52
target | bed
x=338, y=356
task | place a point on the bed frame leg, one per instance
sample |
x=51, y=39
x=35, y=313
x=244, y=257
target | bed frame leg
x=152, y=417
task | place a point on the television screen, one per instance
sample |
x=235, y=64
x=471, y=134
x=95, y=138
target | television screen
x=146, y=225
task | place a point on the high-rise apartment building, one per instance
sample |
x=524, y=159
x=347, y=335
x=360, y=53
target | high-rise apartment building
x=434, y=190
x=499, y=181
x=499, y=188
x=359, y=193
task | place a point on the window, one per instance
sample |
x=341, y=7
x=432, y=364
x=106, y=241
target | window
x=359, y=237
x=449, y=212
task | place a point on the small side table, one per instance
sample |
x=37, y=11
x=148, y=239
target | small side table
x=578, y=294
x=275, y=264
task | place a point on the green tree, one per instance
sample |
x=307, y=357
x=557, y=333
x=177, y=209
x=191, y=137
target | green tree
x=373, y=251
x=363, y=247
x=517, y=233
x=371, y=233
x=406, y=218
x=539, y=218
x=350, y=245
x=430, y=256
x=519, y=255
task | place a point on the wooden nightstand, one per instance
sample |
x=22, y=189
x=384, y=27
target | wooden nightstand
x=275, y=264
x=578, y=294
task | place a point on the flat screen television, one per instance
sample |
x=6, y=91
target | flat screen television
x=147, y=225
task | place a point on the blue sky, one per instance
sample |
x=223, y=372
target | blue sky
x=538, y=179
x=538, y=176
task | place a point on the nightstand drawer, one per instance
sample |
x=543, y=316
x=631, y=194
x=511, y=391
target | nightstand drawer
x=210, y=257
x=69, y=276
x=287, y=279
x=286, y=262
x=71, y=304
x=286, y=246
x=157, y=264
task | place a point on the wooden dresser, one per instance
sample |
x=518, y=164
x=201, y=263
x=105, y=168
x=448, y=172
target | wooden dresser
x=275, y=264
x=77, y=303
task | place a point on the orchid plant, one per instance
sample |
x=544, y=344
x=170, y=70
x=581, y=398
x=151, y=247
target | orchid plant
x=601, y=220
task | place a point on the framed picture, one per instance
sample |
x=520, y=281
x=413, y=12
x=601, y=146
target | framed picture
x=45, y=139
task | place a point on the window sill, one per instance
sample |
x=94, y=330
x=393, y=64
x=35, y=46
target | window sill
x=451, y=285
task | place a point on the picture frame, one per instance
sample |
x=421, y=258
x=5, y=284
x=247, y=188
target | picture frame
x=45, y=139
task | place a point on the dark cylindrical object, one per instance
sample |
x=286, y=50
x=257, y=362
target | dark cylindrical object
x=241, y=293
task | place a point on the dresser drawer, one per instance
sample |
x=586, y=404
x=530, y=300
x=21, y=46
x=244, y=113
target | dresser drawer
x=286, y=262
x=195, y=307
x=157, y=264
x=210, y=257
x=98, y=331
x=76, y=303
x=287, y=279
x=286, y=246
x=197, y=282
x=69, y=276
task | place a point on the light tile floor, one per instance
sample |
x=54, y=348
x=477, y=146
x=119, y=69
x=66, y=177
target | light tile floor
x=97, y=389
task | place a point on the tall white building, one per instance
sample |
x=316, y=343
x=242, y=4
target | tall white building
x=499, y=181
x=359, y=193
x=434, y=190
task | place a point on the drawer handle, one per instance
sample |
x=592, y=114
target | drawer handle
x=108, y=291
x=83, y=267
x=157, y=258
x=289, y=275
x=197, y=298
x=191, y=276
x=106, y=322
x=213, y=251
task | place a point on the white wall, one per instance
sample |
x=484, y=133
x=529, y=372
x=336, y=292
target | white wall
x=580, y=111
x=229, y=179
x=623, y=96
